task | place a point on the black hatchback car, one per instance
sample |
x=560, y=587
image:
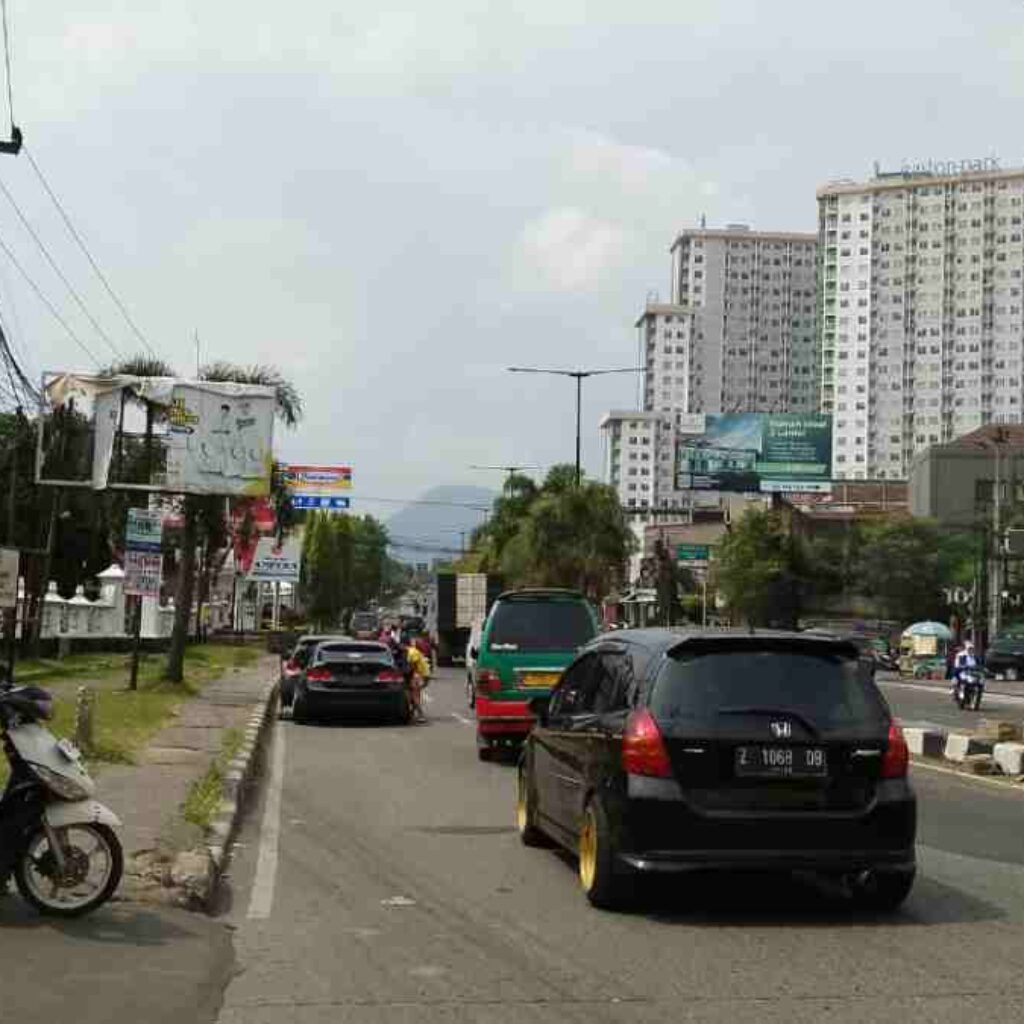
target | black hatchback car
x=662, y=752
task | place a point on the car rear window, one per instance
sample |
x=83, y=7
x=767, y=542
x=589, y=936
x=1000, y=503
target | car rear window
x=827, y=688
x=364, y=620
x=353, y=652
x=540, y=626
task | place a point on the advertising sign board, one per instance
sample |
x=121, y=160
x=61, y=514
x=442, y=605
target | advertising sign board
x=748, y=452
x=692, y=552
x=143, y=572
x=323, y=481
x=8, y=577
x=273, y=564
x=144, y=529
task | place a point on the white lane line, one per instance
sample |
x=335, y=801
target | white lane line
x=1007, y=785
x=459, y=718
x=262, y=898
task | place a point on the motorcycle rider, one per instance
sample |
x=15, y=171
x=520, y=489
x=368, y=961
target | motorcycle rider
x=964, y=661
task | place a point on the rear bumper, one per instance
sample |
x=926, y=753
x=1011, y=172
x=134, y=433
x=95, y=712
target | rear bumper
x=378, y=699
x=502, y=717
x=660, y=831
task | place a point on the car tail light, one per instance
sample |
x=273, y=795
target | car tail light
x=643, y=749
x=487, y=681
x=896, y=758
x=319, y=675
x=389, y=675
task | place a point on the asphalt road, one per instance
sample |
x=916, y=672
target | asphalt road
x=930, y=701
x=395, y=890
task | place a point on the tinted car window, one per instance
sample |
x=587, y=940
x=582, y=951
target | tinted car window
x=364, y=620
x=612, y=685
x=574, y=689
x=349, y=652
x=540, y=626
x=828, y=689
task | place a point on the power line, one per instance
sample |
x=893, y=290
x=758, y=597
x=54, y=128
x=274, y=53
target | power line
x=49, y=305
x=53, y=264
x=88, y=255
x=7, y=59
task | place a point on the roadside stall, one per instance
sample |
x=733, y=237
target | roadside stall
x=924, y=648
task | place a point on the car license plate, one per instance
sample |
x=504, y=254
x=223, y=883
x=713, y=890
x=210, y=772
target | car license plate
x=545, y=679
x=780, y=762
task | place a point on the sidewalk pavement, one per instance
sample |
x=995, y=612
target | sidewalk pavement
x=148, y=796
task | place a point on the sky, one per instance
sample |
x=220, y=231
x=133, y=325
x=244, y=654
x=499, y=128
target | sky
x=394, y=202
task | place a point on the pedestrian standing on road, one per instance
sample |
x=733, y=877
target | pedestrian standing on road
x=418, y=677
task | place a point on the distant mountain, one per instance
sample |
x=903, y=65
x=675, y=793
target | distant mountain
x=432, y=526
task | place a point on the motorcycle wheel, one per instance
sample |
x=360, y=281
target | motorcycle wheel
x=94, y=862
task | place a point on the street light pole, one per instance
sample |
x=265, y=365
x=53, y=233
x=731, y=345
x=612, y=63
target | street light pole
x=578, y=375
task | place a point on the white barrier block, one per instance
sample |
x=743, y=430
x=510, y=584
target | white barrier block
x=959, y=746
x=1009, y=757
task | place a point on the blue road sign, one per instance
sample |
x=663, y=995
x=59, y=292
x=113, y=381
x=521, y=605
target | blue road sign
x=317, y=501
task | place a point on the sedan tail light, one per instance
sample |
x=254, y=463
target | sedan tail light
x=389, y=675
x=643, y=748
x=319, y=675
x=896, y=759
x=487, y=681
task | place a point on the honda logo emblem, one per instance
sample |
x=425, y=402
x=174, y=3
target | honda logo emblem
x=781, y=730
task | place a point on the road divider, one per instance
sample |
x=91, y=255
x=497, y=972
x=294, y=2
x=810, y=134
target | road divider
x=995, y=748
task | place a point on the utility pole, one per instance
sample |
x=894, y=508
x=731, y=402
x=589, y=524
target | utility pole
x=995, y=569
x=578, y=375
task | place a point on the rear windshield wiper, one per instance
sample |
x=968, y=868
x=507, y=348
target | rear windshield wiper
x=761, y=710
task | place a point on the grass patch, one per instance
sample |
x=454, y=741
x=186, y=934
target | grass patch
x=203, y=800
x=125, y=720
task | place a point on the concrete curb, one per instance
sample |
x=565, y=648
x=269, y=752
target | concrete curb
x=219, y=835
x=966, y=754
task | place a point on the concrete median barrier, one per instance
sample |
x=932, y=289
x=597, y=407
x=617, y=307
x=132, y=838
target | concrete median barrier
x=1009, y=758
x=960, y=746
x=925, y=741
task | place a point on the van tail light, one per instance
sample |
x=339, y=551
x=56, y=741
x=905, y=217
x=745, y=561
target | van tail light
x=643, y=748
x=896, y=759
x=319, y=675
x=389, y=675
x=487, y=681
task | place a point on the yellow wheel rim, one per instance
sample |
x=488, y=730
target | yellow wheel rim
x=521, y=815
x=588, y=850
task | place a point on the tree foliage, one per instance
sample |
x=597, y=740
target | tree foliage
x=899, y=566
x=557, y=534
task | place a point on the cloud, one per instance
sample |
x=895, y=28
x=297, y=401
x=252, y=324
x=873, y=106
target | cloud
x=568, y=249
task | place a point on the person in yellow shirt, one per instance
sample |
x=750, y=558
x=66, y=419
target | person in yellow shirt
x=418, y=676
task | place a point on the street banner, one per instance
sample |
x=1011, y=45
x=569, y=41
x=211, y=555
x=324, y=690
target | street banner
x=273, y=564
x=8, y=577
x=143, y=573
x=318, y=481
x=756, y=452
x=144, y=530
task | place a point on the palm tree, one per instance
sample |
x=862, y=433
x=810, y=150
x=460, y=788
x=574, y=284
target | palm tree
x=288, y=407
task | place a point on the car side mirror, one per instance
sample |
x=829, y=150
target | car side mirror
x=539, y=707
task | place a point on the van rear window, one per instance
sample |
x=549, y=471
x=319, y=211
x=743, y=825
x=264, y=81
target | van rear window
x=540, y=626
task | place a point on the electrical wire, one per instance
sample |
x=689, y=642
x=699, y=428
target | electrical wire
x=49, y=305
x=73, y=231
x=7, y=59
x=60, y=273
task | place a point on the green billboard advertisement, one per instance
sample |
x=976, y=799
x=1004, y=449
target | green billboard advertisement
x=748, y=452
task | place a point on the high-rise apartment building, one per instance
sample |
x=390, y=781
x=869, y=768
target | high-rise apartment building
x=920, y=322
x=631, y=445
x=753, y=297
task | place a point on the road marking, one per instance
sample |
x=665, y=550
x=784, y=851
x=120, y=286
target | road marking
x=459, y=718
x=947, y=691
x=262, y=898
x=1004, y=784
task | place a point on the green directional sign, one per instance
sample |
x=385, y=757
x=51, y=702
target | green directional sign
x=692, y=552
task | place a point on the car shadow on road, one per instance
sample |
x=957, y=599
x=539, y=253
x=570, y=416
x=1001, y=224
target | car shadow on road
x=716, y=899
x=116, y=924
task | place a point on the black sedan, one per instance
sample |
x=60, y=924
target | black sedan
x=662, y=752
x=353, y=678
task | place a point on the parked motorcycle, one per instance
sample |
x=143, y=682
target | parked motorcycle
x=57, y=841
x=969, y=688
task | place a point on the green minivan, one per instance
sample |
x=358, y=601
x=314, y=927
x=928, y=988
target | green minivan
x=528, y=638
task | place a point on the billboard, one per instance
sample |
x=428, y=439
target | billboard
x=273, y=564
x=323, y=487
x=156, y=434
x=747, y=452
